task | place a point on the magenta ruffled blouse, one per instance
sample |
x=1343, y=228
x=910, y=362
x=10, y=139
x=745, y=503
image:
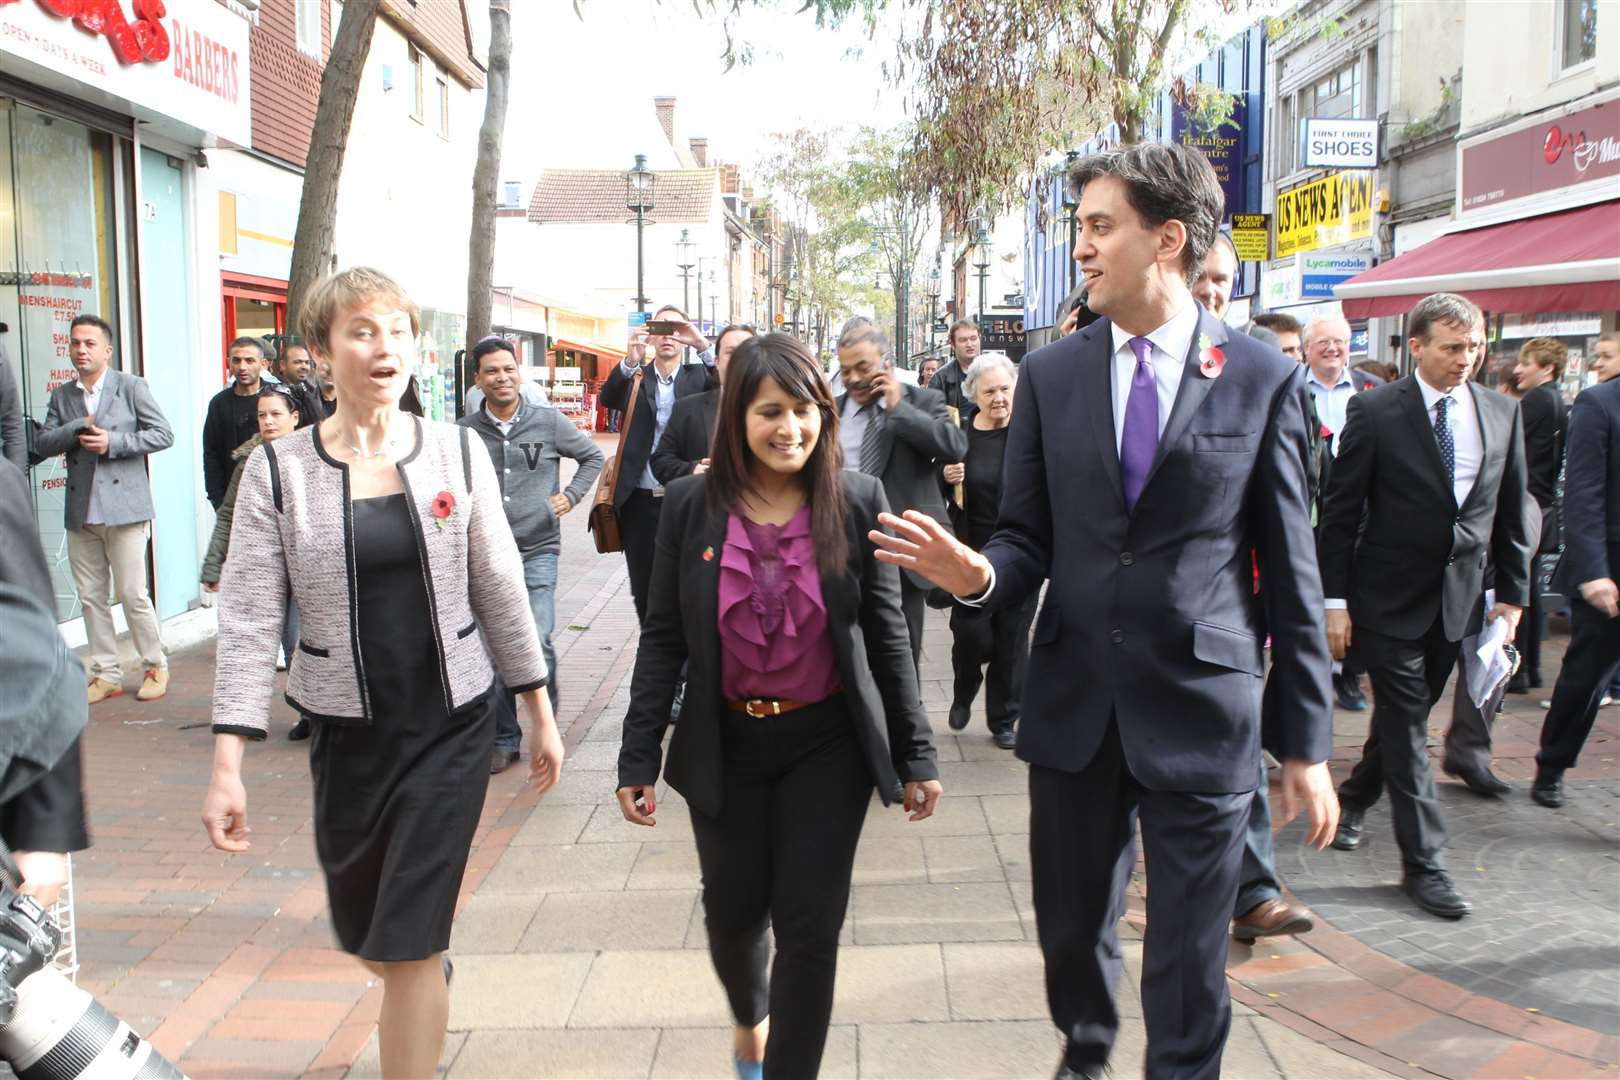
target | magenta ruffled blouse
x=772, y=619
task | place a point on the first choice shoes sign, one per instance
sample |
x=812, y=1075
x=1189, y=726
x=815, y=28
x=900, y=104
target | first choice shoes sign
x=188, y=65
x=1341, y=144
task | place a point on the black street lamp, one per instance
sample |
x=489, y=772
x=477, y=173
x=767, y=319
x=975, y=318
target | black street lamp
x=1071, y=203
x=684, y=245
x=933, y=308
x=638, y=196
x=982, y=243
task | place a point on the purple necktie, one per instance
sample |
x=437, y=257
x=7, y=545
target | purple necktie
x=1139, y=439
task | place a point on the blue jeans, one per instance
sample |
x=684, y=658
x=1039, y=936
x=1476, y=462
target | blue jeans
x=1258, y=882
x=540, y=577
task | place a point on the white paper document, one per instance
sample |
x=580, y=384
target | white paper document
x=1485, y=662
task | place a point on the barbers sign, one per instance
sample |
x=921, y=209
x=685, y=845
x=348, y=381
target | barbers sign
x=1341, y=144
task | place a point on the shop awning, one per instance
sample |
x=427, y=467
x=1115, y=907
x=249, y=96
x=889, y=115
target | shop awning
x=575, y=345
x=1569, y=261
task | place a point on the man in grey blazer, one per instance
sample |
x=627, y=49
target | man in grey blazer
x=106, y=422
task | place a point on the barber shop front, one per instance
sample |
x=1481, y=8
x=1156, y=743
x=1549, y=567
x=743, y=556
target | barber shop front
x=101, y=141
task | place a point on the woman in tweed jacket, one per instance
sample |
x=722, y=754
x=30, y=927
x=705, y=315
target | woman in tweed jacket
x=407, y=580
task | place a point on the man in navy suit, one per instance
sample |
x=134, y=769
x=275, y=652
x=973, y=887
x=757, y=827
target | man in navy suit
x=1150, y=456
x=1586, y=574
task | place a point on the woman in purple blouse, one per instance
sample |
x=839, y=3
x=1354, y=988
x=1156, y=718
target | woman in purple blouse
x=801, y=695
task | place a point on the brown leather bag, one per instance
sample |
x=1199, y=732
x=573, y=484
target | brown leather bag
x=603, y=520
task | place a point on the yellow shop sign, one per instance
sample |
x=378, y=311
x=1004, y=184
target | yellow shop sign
x=1324, y=213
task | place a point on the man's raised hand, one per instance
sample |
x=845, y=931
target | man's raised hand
x=924, y=545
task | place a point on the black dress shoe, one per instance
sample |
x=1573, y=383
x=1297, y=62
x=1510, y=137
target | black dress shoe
x=1348, y=836
x=1480, y=781
x=1067, y=1072
x=1519, y=684
x=1434, y=893
x=1005, y=738
x=960, y=715
x=501, y=760
x=300, y=730
x=1347, y=693
x=1548, y=788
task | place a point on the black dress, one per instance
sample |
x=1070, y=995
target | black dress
x=397, y=801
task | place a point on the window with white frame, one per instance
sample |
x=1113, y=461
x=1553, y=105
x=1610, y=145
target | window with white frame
x=1577, y=32
x=1337, y=94
x=307, y=26
x=444, y=102
x=511, y=193
x=414, y=56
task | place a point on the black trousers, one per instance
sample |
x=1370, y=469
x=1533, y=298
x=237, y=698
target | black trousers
x=914, y=602
x=1001, y=640
x=638, y=526
x=1081, y=854
x=1530, y=633
x=1468, y=739
x=1408, y=678
x=779, y=856
x=1594, y=649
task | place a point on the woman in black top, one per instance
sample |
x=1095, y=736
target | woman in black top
x=999, y=638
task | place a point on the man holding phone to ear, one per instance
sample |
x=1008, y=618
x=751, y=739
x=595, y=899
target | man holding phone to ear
x=664, y=378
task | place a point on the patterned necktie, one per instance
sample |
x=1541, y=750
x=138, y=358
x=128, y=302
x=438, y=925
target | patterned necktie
x=872, y=440
x=1443, y=436
x=1139, y=439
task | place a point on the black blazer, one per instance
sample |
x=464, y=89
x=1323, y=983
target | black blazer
x=1591, y=490
x=688, y=437
x=918, y=437
x=1546, y=421
x=638, y=441
x=869, y=638
x=1151, y=621
x=1394, y=543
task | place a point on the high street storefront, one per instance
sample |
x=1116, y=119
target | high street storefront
x=101, y=138
x=1536, y=241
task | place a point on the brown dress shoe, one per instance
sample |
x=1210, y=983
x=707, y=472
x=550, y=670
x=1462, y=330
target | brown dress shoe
x=1271, y=918
x=101, y=689
x=155, y=685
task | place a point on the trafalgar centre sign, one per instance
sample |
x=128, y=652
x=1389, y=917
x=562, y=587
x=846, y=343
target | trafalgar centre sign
x=188, y=65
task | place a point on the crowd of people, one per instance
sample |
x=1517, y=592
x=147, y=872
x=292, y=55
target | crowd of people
x=1169, y=546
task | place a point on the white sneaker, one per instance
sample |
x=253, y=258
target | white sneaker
x=1607, y=700
x=281, y=658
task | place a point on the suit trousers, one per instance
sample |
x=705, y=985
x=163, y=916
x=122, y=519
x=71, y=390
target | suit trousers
x=104, y=557
x=1081, y=854
x=1408, y=678
x=779, y=857
x=1468, y=739
x=638, y=526
x=1594, y=649
x=914, y=603
x=1531, y=628
x=999, y=639
x=1258, y=882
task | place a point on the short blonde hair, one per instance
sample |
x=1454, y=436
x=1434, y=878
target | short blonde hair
x=1546, y=352
x=358, y=286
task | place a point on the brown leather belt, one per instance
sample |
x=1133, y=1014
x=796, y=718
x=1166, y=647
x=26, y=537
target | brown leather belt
x=759, y=708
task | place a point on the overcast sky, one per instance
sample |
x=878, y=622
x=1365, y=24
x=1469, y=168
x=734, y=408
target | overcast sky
x=582, y=90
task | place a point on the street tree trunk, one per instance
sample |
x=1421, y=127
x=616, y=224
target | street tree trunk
x=486, y=174
x=313, y=239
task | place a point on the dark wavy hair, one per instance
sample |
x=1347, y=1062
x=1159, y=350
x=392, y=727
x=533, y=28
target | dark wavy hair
x=782, y=358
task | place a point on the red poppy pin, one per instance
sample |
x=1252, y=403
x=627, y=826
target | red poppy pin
x=1327, y=433
x=1210, y=357
x=444, y=504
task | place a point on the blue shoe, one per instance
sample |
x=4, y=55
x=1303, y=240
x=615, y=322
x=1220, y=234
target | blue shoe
x=748, y=1070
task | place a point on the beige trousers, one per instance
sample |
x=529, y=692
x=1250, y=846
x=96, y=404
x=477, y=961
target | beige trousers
x=104, y=556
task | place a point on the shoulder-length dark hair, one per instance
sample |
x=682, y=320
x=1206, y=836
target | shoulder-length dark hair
x=782, y=358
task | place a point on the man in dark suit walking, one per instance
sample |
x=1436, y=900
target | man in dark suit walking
x=664, y=379
x=1152, y=457
x=1538, y=373
x=1428, y=486
x=1585, y=574
x=900, y=434
x=683, y=448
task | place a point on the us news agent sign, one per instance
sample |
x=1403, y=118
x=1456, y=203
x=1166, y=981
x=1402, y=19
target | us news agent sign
x=1341, y=144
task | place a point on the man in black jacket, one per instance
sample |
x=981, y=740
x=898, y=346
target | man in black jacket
x=1427, y=486
x=948, y=380
x=1541, y=403
x=683, y=449
x=902, y=435
x=233, y=416
x=638, y=496
x=1586, y=574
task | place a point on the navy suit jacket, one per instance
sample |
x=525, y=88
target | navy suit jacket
x=1151, y=620
x=1591, y=516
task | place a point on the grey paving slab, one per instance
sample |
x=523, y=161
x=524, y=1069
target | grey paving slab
x=493, y=922
x=995, y=981
x=589, y=921
x=1008, y=777
x=368, y=1066
x=953, y=817
x=515, y=990
x=553, y=823
x=1006, y=813
x=655, y=988
x=888, y=914
x=1013, y=851
x=890, y=860
x=667, y=863
x=608, y=825
x=1545, y=932
x=1302, y=1058
x=576, y=1055
x=705, y=1053
x=957, y=859
x=562, y=868
x=597, y=754
x=890, y=984
x=959, y=1051
x=587, y=786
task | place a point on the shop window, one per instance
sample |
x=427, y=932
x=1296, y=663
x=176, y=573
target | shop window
x=307, y=16
x=443, y=81
x=1577, y=33
x=511, y=194
x=414, y=56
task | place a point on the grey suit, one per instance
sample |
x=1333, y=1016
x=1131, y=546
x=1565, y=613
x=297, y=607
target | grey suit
x=13, y=442
x=135, y=427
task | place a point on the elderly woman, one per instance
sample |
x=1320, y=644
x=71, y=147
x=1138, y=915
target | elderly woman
x=1000, y=638
x=406, y=573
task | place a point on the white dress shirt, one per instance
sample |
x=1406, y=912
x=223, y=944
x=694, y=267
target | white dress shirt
x=1171, y=343
x=92, y=406
x=1331, y=403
